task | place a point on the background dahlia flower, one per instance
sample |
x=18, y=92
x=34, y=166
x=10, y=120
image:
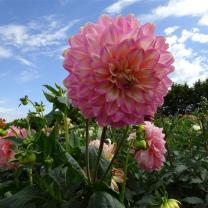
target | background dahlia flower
x=117, y=70
x=6, y=153
x=154, y=157
x=108, y=149
x=6, y=149
x=17, y=132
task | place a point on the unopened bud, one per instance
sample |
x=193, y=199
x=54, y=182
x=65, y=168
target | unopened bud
x=141, y=145
x=24, y=100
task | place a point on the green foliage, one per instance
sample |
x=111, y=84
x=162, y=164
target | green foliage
x=184, y=99
x=103, y=200
x=51, y=173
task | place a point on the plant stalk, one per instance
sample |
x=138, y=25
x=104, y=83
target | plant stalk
x=102, y=140
x=66, y=131
x=87, y=150
x=30, y=176
x=116, y=153
x=123, y=187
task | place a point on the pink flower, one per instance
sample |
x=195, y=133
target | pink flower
x=6, y=150
x=108, y=149
x=17, y=132
x=154, y=157
x=118, y=70
x=6, y=153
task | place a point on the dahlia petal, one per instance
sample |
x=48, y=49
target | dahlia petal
x=105, y=20
x=151, y=58
x=111, y=108
x=135, y=57
x=133, y=22
x=76, y=41
x=146, y=42
x=166, y=58
x=162, y=70
x=110, y=35
x=148, y=29
x=104, y=87
x=160, y=43
x=106, y=54
x=112, y=95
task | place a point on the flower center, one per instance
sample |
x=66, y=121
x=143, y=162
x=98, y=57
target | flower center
x=122, y=77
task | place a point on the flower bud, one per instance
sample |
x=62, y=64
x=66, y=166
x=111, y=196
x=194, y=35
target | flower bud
x=170, y=203
x=141, y=145
x=24, y=100
x=49, y=160
x=39, y=107
x=2, y=123
x=3, y=132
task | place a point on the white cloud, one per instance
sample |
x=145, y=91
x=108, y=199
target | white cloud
x=170, y=30
x=14, y=33
x=118, y=6
x=189, y=64
x=202, y=38
x=3, y=101
x=5, y=53
x=34, y=35
x=28, y=75
x=178, y=8
x=11, y=113
x=194, y=35
x=204, y=20
x=24, y=61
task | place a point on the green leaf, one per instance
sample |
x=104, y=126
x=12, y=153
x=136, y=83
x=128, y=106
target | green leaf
x=15, y=140
x=180, y=168
x=64, y=100
x=59, y=175
x=49, y=97
x=51, y=89
x=103, y=163
x=20, y=199
x=193, y=200
x=104, y=200
x=73, y=163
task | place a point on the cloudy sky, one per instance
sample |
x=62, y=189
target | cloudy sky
x=34, y=33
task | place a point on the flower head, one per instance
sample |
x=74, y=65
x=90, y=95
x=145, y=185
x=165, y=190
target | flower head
x=17, y=132
x=154, y=157
x=6, y=153
x=170, y=203
x=108, y=149
x=118, y=70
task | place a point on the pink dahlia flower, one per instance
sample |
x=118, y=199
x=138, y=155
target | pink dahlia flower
x=17, y=132
x=6, y=153
x=154, y=157
x=118, y=70
x=108, y=149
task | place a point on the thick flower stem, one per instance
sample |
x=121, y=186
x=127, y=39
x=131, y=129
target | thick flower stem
x=116, y=153
x=102, y=140
x=66, y=131
x=123, y=188
x=87, y=150
x=30, y=176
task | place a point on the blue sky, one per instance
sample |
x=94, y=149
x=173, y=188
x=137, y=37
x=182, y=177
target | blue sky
x=34, y=33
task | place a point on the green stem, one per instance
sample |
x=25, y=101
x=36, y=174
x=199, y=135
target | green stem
x=30, y=176
x=87, y=151
x=102, y=140
x=28, y=129
x=116, y=153
x=123, y=188
x=66, y=131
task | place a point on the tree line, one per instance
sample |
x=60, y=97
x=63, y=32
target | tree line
x=185, y=99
